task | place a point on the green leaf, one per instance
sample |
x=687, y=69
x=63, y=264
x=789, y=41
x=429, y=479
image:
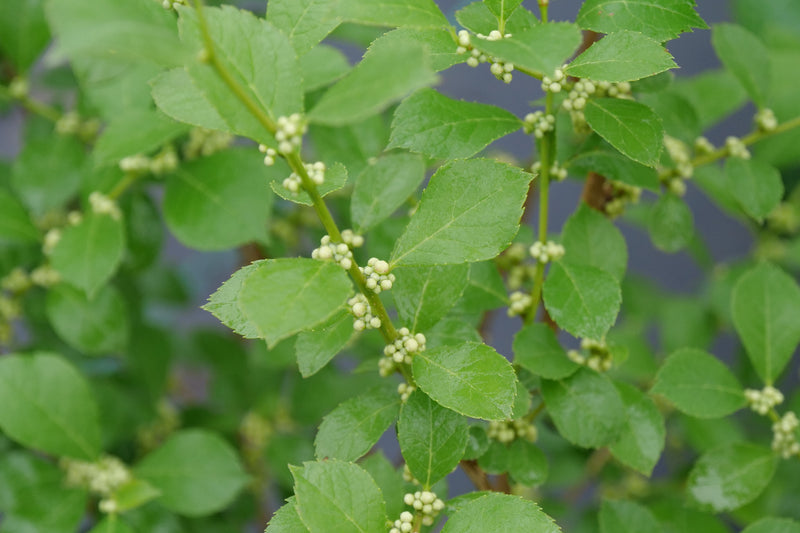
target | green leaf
x=756, y=185
x=773, y=525
x=134, y=494
x=730, y=476
x=335, y=179
x=24, y=30
x=583, y=300
x=319, y=345
x=616, y=167
x=527, y=463
x=281, y=297
x=714, y=95
x=88, y=254
x=353, y=428
x=622, y=56
x=224, y=303
x=485, y=291
x=430, y=123
x=353, y=145
x=196, y=471
x=677, y=113
x=97, y=325
x=321, y=66
x=542, y=48
x=15, y=224
x=586, y=408
x=337, y=496
x=743, y=55
x=305, y=22
x=260, y=59
x=469, y=212
x=46, y=404
x=502, y=9
x=48, y=172
x=477, y=442
x=424, y=295
x=437, y=41
x=593, y=240
x=389, y=70
x=499, y=512
x=139, y=131
x=383, y=187
x=623, y=516
x=219, y=202
x=537, y=349
x=413, y=13
x=286, y=520
x=120, y=30
x=765, y=304
x=177, y=95
x=642, y=439
x=470, y=378
x=33, y=496
x=630, y=127
x=671, y=223
x=432, y=438
x=112, y=524
x=699, y=384
x=662, y=20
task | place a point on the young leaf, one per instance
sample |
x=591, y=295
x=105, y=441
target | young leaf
x=622, y=56
x=642, y=439
x=671, y=223
x=413, y=13
x=432, y=438
x=305, y=22
x=24, y=30
x=499, y=512
x=430, y=123
x=353, y=428
x=337, y=496
x=537, y=350
x=317, y=346
x=699, y=384
x=46, y=404
x=424, y=295
x=622, y=516
x=281, y=297
x=543, y=48
x=15, y=224
x=616, y=167
x=469, y=212
x=773, y=525
x=630, y=127
x=586, y=408
x=730, y=476
x=756, y=185
x=383, y=187
x=470, y=378
x=97, y=325
x=582, y=299
x=335, y=179
x=765, y=304
x=743, y=55
x=389, y=70
x=224, y=303
x=88, y=254
x=591, y=239
x=220, y=201
x=527, y=463
x=139, y=131
x=662, y=20
x=260, y=59
x=196, y=471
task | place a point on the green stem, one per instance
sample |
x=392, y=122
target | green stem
x=296, y=163
x=543, y=5
x=43, y=110
x=122, y=185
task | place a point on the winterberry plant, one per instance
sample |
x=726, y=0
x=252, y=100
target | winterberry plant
x=369, y=240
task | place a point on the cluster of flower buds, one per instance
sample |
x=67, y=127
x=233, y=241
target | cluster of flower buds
x=762, y=401
x=580, y=93
x=269, y=154
x=408, y=477
x=45, y=276
x=405, y=390
x=784, y=435
x=330, y=251
x=546, y=252
x=736, y=148
x=507, y=431
x=170, y=4
x=596, y=355
x=362, y=312
x=557, y=172
x=703, y=146
x=377, y=275
x=403, y=349
x=680, y=154
x=16, y=281
x=51, y=239
x=316, y=171
x=71, y=123
x=103, y=205
x=424, y=502
x=502, y=71
x=136, y=164
x=290, y=133
x=519, y=303
x=620, y=195
x=766, y=120
x=204, y=142
x=554, y=83
x=102, y=477
x=538, y=123
x=785, y=219
x=352, y=239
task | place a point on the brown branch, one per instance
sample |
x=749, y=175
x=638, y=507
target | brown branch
x=476, y=474
x=596, y=193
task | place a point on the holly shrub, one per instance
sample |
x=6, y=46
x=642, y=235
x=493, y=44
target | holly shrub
x=373, y=242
